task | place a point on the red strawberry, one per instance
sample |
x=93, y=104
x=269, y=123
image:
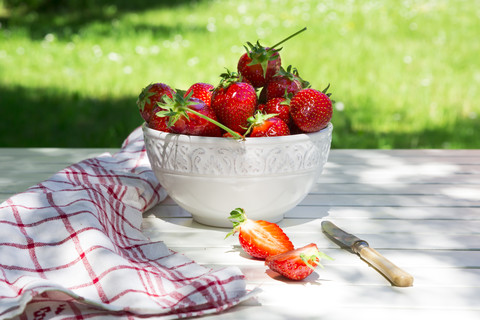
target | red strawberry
x=285, y=82
x=296, y=264
x=311, y=110
x=150, y=95
x=259, y=238
x=234, y=102
x=267, y=125
x=280, y=106
x=259, y=64
x=202, y=91
x=189, y=116
x=261, y=107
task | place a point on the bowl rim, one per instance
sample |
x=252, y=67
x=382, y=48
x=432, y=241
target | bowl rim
x=249, y=140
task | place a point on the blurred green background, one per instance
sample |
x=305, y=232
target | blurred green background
x=405, y=74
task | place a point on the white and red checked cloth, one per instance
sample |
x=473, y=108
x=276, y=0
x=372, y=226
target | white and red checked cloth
x=71, y=248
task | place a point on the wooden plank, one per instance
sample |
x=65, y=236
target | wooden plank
x=17, y=180
x=427, y=168
x=390, y=176
x=354, y=213
x=389, y=226
x=453, y=155
x=21, y=168
x=334, y=296
x=55, y=155
x=376, y=166
x=390, y=200
x=423, y=261
x=364, y=302
x=186, y=232
x=378, y=241
x=445, y=188
x=168, y=209
x=363, y=226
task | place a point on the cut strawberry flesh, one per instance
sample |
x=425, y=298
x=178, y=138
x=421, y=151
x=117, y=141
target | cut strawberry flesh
x=261, y=239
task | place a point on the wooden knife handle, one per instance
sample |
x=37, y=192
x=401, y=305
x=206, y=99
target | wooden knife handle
x=397, y=276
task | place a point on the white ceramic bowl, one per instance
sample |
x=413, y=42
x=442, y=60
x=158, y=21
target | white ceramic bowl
x=211, y=176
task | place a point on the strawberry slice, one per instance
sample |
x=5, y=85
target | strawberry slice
x=259, y=238
x=296, y=264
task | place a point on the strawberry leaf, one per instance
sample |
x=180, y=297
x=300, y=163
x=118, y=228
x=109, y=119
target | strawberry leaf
x=288, y=98
x=326, y=89
x=237, y=217
x=260, y=55
x=315, y=257
x=144, y=97
x=258, y=119
x=328, y=94
x=229, y=77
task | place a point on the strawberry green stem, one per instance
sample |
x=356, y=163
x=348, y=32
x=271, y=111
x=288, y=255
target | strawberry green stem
x=233, y=133
x=288, y=38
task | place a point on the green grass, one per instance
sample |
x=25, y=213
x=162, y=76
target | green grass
x=405, y=74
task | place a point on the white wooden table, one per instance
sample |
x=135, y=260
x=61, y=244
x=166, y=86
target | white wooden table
x=420, y=208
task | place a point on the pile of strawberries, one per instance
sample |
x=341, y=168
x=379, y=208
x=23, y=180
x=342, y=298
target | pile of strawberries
x=267, y=241
x=261, y=99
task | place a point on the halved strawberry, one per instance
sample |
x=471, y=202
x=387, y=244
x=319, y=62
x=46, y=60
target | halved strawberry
x=259, y=238
x=296, y=264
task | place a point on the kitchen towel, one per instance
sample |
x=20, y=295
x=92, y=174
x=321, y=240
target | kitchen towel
x=71, y=247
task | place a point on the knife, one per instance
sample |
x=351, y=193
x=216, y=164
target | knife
x=394, y=274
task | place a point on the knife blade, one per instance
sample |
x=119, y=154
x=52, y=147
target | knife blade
x=398, y=277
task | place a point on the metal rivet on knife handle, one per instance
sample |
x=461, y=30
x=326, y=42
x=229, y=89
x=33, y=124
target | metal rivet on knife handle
x=394, y=274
